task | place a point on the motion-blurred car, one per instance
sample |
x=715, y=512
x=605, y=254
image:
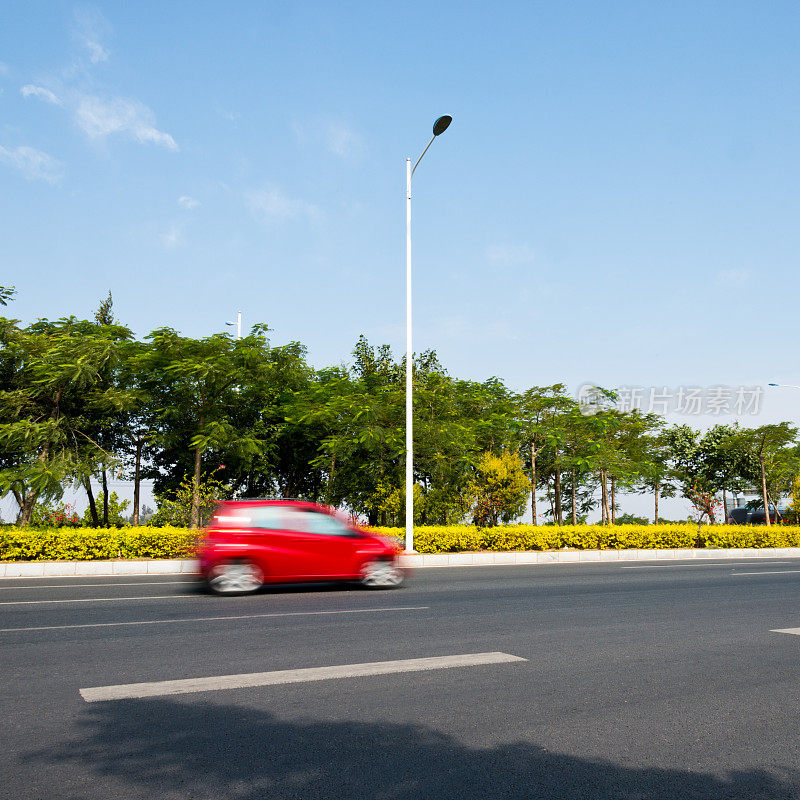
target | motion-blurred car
x=253, y=542
x=754, y=516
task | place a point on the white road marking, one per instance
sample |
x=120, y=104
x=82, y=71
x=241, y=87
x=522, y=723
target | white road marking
x=70, y=585
x=795, y=631
x=768, y=572
x=214, y=619
x=159, y=688
x=730, y=563
x=92, y=599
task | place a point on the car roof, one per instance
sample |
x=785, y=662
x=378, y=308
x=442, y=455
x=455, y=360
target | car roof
x=264, y=501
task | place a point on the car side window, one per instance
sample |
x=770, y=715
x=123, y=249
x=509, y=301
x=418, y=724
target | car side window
x=270, y=517
x=294, y=520
x=325, y=524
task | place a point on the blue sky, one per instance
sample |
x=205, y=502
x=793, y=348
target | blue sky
x=615, y=202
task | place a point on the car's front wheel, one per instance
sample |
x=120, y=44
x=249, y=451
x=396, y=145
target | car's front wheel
x=381, y=575
x=235, y=577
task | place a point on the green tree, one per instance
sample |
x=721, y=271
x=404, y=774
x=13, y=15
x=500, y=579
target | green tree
x=50, y=373
x=500, y=488
x=539, y=411
x=774, y=448
x=656, y=469
x=217, y=405
x=112, y=515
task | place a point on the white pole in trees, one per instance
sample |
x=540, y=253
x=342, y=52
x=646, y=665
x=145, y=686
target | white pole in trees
x=439, y=127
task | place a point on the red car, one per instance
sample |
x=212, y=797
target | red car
x=253, y=542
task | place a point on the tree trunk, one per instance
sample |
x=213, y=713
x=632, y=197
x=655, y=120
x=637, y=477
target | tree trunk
x=603, y=498
x=105, y=499
x=613, y=502
x=778, y=517
x=764, y=490
x=137, y=479
x=534, y=521
x=26, y=512
x=557, y=492
x=574, y=510
x=87, y=484
x=725, y=504
x=655, y=518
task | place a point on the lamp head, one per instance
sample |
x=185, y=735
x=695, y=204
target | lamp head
x=772, y=384
x=441, y=125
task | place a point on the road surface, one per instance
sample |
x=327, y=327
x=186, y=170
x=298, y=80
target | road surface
x=578, y=682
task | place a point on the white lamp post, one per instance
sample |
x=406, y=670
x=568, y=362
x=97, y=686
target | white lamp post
x=439, y=127
x=238, y=324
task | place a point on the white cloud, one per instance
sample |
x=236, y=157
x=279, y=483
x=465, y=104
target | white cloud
x=100, y=118
x=90, y=28
x=510, y=255
x=733, y=277
x=336, y=136
x=172, y=238
x=184, y=201
x=33, y=164
x=29, y=90
x=3, y=68
x=271, y=204
x=342, y=140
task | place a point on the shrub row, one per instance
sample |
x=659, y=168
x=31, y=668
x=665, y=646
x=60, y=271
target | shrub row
x=458, y=538
x=95, y=544
x=82, y=544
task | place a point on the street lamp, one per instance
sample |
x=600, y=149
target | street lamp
x=238, y=324
x=783, y=385
x=439, y=127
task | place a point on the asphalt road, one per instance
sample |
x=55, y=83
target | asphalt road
x=639, y=681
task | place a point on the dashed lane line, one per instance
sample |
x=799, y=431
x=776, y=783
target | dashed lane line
x=77, y=585
x=768, y=572
x=128, y=691
x=696, y=564
x=214, y=619
x=92, y=599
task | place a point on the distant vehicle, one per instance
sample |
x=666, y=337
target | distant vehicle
x=755, y=516
x=738, y=516
x=250, y=543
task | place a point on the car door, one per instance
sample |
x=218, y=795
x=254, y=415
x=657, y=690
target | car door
x=321, y=546
x=282, y=553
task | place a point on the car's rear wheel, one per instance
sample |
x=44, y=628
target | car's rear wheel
x=381, y=574
x=235, y=577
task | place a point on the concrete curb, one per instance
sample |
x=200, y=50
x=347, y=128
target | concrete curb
x=65, y=569
x=585, y=556
x=71, y=569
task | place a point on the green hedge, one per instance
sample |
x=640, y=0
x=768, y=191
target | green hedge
x=96, y=544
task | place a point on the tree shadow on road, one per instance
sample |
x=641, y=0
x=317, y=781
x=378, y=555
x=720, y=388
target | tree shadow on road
x=164, y=748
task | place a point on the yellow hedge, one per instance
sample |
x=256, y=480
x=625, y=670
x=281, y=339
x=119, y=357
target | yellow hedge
x=456, y=538
x=96, y=544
